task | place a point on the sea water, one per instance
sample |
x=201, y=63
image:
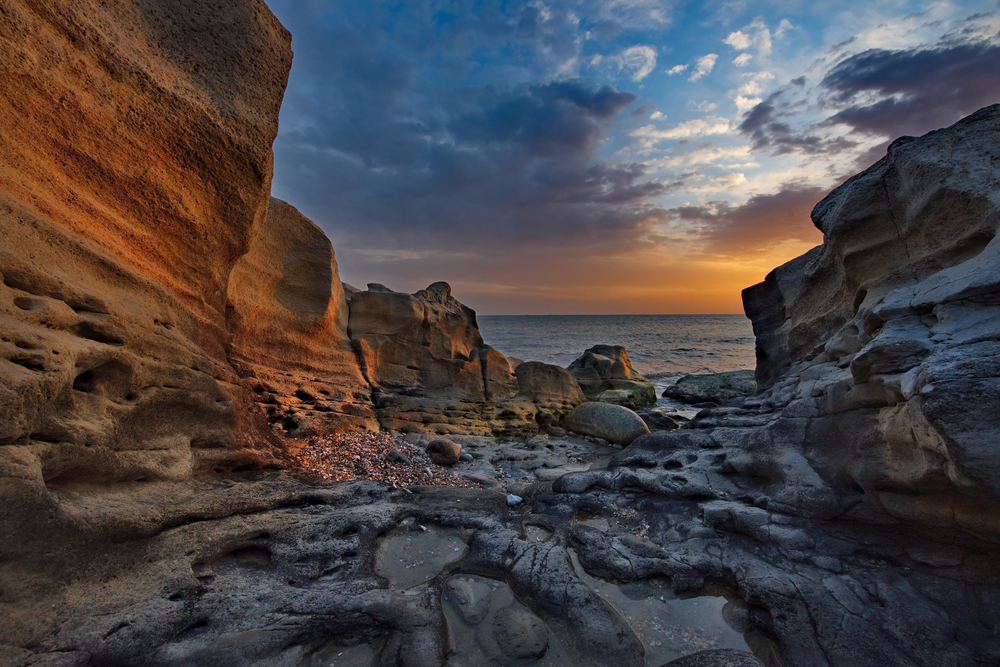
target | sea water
x=661, y=347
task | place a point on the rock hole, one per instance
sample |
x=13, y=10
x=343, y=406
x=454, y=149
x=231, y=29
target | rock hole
x=29, y=363
x=672, y=464
x=28, y=303
x=251, y=555
x=350, y=554
x=90, y=332
x=348, y=532
x=859, y=298
x=176, y=596
x=85, y=382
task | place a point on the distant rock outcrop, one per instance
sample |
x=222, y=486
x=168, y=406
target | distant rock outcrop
x=430, y=372
x=605, y=373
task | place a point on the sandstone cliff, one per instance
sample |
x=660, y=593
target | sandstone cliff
x=135, y=144
x=287, y=316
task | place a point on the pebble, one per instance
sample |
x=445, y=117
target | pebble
x=342, y=457
x=513, y=500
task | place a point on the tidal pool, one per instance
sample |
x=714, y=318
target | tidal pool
x=668, y=627
x=416, y=554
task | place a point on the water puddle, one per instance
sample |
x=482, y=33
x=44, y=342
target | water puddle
x=489, y=627
x=667, y=626
x=416, y=554
x=361, y=655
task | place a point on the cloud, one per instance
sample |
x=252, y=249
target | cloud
x=725, y=156
x=699, y=127
x=742, y=60
x=676, y=69
x=756, y=36
x=913, y=91
x=726, y=182
x=703, y=66
x=658, y=115
x=765, y=125
x=758, y=225
x=638, y=60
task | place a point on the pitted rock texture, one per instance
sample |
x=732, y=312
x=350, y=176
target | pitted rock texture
x=879, y=349
x=287, y=317
x=605, y=373
x=135, y=144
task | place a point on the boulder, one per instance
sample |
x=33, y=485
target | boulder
x=613, y=423
x=607, y=368
x=444, y=452
x=551, y=389
x=712, y=388
x=470, y=595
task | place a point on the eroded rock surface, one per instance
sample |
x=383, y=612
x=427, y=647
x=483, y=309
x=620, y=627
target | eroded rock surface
x=287, y=315
x=430, y=372
x=135, y=144
x=880, y=348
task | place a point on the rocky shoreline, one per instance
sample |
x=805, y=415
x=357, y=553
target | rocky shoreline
x=180, y=367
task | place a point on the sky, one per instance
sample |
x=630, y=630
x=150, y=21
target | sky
x=604, y=156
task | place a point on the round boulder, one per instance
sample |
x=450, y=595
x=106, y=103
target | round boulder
x=613, y=423
x=444, y=452
x=520, y=634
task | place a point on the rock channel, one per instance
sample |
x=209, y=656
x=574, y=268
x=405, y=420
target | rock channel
x=164, y=325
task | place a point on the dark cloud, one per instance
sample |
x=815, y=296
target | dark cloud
x=798, y=81
x=765, y=125
x=920, y=89
x=759, y=224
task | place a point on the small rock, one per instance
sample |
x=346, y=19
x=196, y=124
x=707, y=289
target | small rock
x=466, y=456
x=556, y=432
x=395, y=456
x=520, y=634
x=513, y=500
x=444, y=452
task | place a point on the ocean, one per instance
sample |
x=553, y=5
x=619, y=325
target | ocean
x=661, y=347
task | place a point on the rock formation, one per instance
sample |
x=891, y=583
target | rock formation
x=135, y=144
x=855, y=497
x=287, y=315
x=148, y=290
x=605, y=373
x=712, y=387
x=881, y=346
x=430, y=372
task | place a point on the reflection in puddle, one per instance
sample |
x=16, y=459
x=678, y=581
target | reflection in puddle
x=334, y=655
x=667, y=626
x=479, y=611
x=416, y=555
